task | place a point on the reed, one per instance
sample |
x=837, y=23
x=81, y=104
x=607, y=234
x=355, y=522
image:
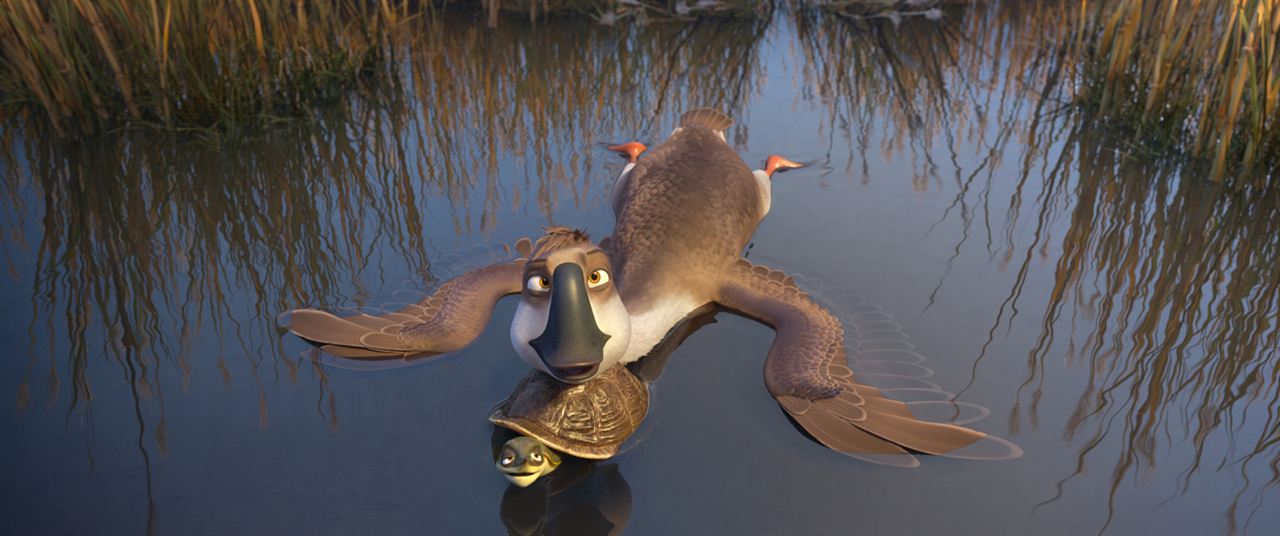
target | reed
x=188, y=64
x=612, y=12
x=1200, y=79
x=1203, y=77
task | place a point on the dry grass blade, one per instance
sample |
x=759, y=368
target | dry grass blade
x=98, y=64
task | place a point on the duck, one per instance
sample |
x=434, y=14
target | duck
x=685, y=211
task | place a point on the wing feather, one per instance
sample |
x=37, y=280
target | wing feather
x=808, y=373
x=706, y=118
x=447, y=320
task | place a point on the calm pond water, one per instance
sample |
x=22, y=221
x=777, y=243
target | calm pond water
x=1117, y=316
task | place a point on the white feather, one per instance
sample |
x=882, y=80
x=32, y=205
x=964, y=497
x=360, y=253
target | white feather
x=648, y=328
x=619, y=186
x=765, y=186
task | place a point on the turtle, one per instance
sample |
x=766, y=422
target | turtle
x=589, y=420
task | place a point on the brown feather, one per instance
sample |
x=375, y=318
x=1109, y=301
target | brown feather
x=449, y=319
x=370, y=322
x=807, y=363
x=923, y=436
x=706, y=118
x=843, y=408
x=359, y=353
x=321, y=327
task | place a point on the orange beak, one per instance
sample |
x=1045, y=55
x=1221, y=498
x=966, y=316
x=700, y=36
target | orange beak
x=778, y=163
x=631, y=149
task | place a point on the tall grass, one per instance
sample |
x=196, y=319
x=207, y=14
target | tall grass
x=1195, y=77
x=187, y=63
x=1203, y=76
x=611, y=12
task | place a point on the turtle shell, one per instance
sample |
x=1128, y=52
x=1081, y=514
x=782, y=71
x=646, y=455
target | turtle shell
x=589, y=420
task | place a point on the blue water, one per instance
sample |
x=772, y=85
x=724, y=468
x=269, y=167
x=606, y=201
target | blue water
x=1105, y=307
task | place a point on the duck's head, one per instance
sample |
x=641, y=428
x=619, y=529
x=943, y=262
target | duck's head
x=571, y=322
x=524, y=460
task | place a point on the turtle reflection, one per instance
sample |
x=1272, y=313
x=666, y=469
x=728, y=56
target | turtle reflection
x=581, y=498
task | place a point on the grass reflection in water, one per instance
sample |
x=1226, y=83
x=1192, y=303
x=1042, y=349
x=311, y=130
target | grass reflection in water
x=157, y=257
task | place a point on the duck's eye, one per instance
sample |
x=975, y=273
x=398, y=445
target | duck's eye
x=597, y=278
x=536, y=457
x=538, y=283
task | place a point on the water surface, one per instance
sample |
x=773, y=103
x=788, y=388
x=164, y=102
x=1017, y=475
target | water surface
x=1115, y=312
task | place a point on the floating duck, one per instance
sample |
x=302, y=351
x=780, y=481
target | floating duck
x=684, y=214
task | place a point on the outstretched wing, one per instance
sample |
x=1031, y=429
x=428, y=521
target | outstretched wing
x=449, y=319
x=807, y=372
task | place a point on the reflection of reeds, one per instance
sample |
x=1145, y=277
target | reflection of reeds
x=96, y=63
x=147, y=242
x=884, y=75
x=1180, y=284
x=481, y=95
x=1170, y=283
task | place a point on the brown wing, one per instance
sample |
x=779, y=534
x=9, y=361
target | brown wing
x=447, y=320
x=807, y=372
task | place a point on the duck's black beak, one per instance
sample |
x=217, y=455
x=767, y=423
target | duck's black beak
x=572, y=345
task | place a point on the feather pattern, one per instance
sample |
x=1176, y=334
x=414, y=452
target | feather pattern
x=807, y=372
x=447, y=320
x=708, y=118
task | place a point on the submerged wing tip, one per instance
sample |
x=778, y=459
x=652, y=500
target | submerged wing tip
x=988, y=448
x=905, y=460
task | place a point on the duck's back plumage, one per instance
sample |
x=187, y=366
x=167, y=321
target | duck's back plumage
x=688, y=209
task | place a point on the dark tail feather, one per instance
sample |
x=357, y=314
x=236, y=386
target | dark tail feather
x=706, y=118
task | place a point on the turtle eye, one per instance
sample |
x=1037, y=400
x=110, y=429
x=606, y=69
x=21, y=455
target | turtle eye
x=538, y=283
x=536, y=457
x=508, y=458
x=597, y=278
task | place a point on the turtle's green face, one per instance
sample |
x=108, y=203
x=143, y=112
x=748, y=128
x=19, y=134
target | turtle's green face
x=524, y=460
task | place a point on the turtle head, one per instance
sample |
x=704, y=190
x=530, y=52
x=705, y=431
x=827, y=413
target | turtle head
x=571, y=322
x=524, y=460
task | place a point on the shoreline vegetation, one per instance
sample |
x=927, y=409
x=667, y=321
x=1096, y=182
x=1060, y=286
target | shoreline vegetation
x=1192, y=79
x=158, y=261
